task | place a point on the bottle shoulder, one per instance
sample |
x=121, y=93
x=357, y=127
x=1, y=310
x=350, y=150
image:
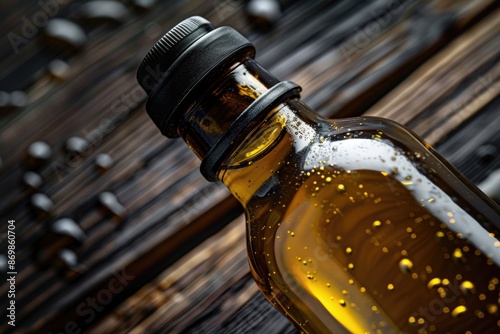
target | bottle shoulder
x=363, y=148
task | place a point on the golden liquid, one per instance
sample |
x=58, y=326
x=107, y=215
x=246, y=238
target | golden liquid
x=340, y=250
x=377, y=261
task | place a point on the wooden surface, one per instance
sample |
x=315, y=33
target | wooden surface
x=174, y=260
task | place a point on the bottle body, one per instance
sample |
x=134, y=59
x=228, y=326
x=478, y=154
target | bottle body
x=353, y=225
x=356, y=226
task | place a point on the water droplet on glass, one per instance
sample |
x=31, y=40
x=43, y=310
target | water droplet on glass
x=434, y=282
x=492, y=308
x=458, y=311
x=467, y=287
x=406, y=266
x=457, y=254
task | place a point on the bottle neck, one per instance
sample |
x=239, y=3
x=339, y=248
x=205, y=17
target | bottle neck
x=255, y=164
x=250, y=161
x=216, y=110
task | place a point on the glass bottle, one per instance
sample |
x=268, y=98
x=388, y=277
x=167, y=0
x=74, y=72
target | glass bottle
x=353, y=225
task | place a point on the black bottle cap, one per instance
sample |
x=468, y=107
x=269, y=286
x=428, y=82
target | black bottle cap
x=169, y=48
x=183, y=64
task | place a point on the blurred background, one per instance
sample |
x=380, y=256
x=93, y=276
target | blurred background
x=115, y=229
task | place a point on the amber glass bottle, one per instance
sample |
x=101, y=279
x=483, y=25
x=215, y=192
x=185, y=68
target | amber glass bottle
x=353, y=225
